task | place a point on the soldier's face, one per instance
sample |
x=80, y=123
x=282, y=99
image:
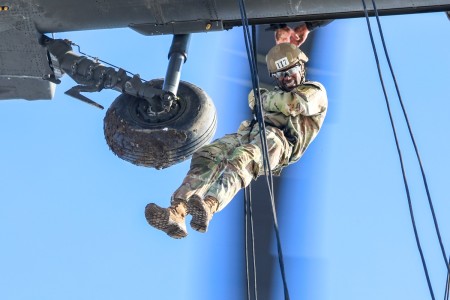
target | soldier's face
x=289, y=79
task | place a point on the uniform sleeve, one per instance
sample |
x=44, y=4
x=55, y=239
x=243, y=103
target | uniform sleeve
x=251, y=97
x=309, y=99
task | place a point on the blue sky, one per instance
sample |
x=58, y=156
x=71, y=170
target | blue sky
x=72, y=218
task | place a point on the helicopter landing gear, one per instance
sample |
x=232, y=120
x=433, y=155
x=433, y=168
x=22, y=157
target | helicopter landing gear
x=167, y=128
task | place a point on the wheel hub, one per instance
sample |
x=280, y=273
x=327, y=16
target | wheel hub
x=152, y=111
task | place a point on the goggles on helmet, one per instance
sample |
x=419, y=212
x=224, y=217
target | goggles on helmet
x=287, y=73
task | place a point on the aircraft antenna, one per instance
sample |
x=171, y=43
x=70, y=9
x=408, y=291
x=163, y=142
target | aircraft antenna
x=262, y=130
x=430, y=202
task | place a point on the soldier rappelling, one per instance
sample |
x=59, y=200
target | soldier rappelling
x=293, y=114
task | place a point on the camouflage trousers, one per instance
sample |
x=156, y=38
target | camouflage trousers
x=228, y=164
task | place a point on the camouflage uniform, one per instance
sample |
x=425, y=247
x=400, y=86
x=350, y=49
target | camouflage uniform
x=293, y=115
x=222, y=168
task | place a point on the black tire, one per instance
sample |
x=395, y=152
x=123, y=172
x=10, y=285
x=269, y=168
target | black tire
x=155, y=143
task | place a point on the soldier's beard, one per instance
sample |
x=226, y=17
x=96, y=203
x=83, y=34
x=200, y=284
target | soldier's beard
x=287, y=84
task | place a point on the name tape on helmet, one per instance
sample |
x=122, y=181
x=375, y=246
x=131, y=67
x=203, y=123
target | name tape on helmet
x=282, y=63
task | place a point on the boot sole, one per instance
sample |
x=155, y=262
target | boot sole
x=158, y=218
x=199, y=221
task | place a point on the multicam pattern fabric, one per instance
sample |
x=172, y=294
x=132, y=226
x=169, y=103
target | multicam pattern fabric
x=228, y=164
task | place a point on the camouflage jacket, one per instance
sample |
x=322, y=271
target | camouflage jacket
x=299, y=113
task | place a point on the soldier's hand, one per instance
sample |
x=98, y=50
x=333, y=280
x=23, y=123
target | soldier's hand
x=301, y=34
x=251, y=97
x=283, y=35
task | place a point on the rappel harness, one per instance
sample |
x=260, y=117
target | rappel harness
x=446, y=260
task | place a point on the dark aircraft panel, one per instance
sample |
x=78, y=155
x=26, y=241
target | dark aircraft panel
x=30, y=88
x=23, y=62
x=69, y=15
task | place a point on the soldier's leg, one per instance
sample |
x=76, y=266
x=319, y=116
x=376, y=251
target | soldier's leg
x=237, y=173
x=278, y=148
x=206, y=165
x=204, y=169
x=244, y=164
x=247, y=163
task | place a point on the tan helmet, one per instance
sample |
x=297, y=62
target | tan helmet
x=283, y=56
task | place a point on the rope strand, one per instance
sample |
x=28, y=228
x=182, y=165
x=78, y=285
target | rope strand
x=424, y=178
x=447, y=284
x=249, y=219
x=405, y=181
x=262, y=131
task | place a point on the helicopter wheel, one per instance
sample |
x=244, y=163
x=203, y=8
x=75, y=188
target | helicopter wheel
x=160, y=140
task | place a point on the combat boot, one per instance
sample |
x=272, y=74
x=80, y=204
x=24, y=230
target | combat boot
x=202, y=211
x=170, y=220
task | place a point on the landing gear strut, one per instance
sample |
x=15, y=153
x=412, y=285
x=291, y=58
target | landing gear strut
x=177, y=57
x=153, y=124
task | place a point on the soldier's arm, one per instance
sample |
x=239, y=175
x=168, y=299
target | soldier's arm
x=251, y=97
x=309, y=99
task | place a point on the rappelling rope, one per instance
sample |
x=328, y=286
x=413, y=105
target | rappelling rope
x=249, y=220
x=447, y=284
x=399, y=154
x=399, y=151
x=430, y=202
x=262, y=130
x=424, y=179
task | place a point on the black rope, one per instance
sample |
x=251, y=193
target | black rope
x=424, y=179
x=447, y=284
x=249, y=219
x=255, y=52
x=405, y=181
x=262, y=131
x=247, y=272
